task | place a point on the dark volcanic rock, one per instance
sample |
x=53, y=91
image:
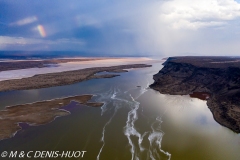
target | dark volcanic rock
x=218, y=76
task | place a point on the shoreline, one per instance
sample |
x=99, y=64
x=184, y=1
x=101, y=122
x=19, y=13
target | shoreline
x=217, y=83
x=26, y=64
x=64, y=78
x=200, y=95
x=38, y=113
x=43, y=112
x=52, y=66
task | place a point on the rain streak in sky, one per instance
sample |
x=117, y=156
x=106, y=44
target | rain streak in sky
x=141, y=28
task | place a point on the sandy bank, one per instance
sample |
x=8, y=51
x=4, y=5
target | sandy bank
x=24, y=69
x=63, y=78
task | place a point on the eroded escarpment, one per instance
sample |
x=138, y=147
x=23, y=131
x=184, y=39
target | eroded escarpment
x=37, y=113
x=217, y=76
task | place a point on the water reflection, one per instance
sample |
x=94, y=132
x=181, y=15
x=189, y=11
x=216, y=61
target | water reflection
x=135, y=123
x=192, y=133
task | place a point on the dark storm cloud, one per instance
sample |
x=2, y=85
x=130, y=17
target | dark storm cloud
x=121, y=27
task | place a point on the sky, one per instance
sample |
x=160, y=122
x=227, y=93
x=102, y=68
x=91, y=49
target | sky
x=136, y=27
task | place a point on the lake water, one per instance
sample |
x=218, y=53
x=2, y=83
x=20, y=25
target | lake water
x=135, y=123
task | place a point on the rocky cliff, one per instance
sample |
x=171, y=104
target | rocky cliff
x=217, y=76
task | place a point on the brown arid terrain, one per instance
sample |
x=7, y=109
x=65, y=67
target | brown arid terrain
x=215, y=79
x=15, y=65
x=64, y=78
x=37, y=113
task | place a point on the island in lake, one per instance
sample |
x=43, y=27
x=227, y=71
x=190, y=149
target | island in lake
x=215, y=79
x=37, y=113
x=43, y=112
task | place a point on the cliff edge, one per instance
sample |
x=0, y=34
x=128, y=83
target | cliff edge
x=217, y=76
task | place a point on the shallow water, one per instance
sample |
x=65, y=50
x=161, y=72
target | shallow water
x=135, y=123
x=70, y=66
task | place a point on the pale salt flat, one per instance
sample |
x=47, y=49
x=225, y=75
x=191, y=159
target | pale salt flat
x=24, y=73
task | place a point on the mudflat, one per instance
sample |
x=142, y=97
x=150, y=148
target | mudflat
x=37, y=113
x=64, y=78
x=24, y=64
